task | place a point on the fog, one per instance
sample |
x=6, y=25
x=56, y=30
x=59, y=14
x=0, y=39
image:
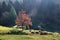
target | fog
x=42, y=11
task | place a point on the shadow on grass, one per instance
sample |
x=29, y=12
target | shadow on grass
x=14, y=33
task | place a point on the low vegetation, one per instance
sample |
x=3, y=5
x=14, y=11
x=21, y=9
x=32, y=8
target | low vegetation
x=15, y=34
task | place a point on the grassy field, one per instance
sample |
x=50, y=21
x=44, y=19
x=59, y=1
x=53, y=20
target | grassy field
x=29, y=37
x=55, y=36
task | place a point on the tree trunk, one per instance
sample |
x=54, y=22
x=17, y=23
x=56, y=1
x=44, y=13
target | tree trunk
x=29, y=28
x=22, y=28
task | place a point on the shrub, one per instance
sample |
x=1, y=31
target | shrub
x=37, y=32
x=50, y=33
x=32, y=32
x=55, y=34
x=14, y=31
x=6, y=30
x=43, y=33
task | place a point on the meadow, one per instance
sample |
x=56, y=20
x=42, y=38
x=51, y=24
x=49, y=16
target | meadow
x=29, y=37
x=3, y=36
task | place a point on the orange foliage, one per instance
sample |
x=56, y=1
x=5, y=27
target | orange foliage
x=23, y=18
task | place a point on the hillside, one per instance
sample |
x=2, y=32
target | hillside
x=45, y=13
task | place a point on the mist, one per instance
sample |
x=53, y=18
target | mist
x=46, y=12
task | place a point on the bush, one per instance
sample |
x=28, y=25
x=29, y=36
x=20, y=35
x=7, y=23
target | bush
x=55, y=34
x=37, y=32
x=50, y=33
x=14, y=31
x=32, y=32
x=46, y=33
x=6, y=30
x=43, y=33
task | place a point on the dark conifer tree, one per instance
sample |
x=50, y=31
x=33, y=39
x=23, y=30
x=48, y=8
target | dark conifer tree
x=4, y=6
x=17, y=6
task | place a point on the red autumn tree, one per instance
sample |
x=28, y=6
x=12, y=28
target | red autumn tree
x=23, y=19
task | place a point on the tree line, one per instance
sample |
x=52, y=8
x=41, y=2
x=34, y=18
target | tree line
x=45, y=14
